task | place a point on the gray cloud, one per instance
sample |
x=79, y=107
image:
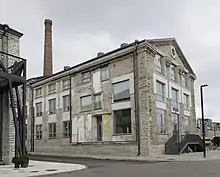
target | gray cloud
x=82, y=28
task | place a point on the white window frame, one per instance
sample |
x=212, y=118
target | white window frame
x=83, y=98
x=186, y=101
x=66, y=103
x=99, y=101
x=38, y=93
x=105, y=73
x=38, y=108
x=161, y=121
x=159, y=64
x=52, y=88
x=53, y=129
x=86, y=77
x=66, y=129
x=39, y=132
x=65, y=84
x=160, y=91
x=127, y=98
x=52, y=107
x=175, y=102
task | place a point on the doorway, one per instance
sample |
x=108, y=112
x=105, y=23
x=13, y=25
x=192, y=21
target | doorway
x=99, y=128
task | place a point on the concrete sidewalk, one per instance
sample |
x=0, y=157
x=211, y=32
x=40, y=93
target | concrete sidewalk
x=211, y=155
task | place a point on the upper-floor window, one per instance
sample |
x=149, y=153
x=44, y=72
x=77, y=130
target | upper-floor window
x=38, y=92
x=161, y=114
x=52, y=106
x=173, y=74
x=86, y=77
x=66, y=84
x=38, y=109
x=175, y=93
x=66, y=103
x=105, y=73
x=159, y=64
x=97, y=101
x=121, y=91
x=186, y=101
x=160, y=89
x=183, y=79
x=86, y=103
x=52, y=88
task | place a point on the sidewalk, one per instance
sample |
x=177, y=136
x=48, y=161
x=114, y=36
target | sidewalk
x=38, y=168
x=211, y=155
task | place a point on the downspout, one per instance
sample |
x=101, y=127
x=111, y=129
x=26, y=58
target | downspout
x=70, y=95
x=136, y=97
x=32, y=119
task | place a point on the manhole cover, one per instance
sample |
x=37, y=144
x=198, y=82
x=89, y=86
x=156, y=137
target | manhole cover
x=34, y=171
x=51, y=170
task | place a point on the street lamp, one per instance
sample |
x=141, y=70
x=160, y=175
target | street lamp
x=203, y=121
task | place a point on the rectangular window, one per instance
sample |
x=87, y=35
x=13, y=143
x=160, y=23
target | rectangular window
x=175, y=97
x=38, y=109
x=105, y=73
x=52, y=130
x=122, y=120
x=173, y=73
x=97, y=102
x=158, y=64
x=186, y=101
x=51, y=88
x=161, y=114
x=183, y=79
x=160, y=89
x=175, y=121
x=186, y=124
x=38, y=131
x=66, y=129
x=38, y=92
x=66, y=103
x=52, y=106
x=86, y=103
x=66, y=84
x=121, y=91
x=86, y=77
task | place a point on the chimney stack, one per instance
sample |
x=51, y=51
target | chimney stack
x=48, y=63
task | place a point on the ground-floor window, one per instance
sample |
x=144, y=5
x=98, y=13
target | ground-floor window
x=161, y=114
x=66, y=129
x=175, y=121
x=52, y=130
x=38, y=131
x=186, y=124
x=122, y=119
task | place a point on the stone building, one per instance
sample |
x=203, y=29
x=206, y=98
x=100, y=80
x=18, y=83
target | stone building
x=125, y=102
x=9, y=43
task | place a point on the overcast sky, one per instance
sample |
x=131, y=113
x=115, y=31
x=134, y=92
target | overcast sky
x=81, y=28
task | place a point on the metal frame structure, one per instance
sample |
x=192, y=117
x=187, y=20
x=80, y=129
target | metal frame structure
x=13, y=83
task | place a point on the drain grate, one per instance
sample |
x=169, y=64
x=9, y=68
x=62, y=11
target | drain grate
x=51, y=170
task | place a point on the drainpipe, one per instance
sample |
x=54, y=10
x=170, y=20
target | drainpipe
x=70, y=97
x=136, y=97
x=32, y=118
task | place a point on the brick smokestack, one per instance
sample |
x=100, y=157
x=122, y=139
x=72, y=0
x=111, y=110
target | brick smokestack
x=48, y=62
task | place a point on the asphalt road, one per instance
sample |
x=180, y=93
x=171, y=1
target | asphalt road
x=101, y=168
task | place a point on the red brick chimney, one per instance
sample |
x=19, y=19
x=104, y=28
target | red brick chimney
x=48, y=62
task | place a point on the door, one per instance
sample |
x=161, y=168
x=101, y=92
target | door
x=99, y=128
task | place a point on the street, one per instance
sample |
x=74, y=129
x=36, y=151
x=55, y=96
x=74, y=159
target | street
x=101, y=168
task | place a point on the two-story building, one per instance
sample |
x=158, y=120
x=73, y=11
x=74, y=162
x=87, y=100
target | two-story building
x=125, y=102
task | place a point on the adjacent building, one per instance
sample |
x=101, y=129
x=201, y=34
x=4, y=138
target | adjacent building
x=125, y=102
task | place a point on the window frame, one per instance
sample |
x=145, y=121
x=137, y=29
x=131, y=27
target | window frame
x=36, y=92
x=53, y=134
x=50, y=100
x=159, y=67
x=106, y=70
x=176, y=102
x=66, y=100
x=39, y=132
x=158, y=95
x=116, y=132
x=186, y=101
x=121, y=99
x=67, y=85
x=162, y=129
x=66, y=129
x=100, y=96
x=53, y=86
x=86, y=79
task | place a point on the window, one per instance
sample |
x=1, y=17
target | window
x=66, y=84
x=97, y=102
x=38, y=109
x=161, y=114
x=38, y=92
x=66, y=103
x=174, y=97
x=123, y=121
x=52, y=88
x=52, y=130
x=105, y=73
x=38, y=131
x=186, y=101
x=86, y=103
x=160, y=91
x=186, y=124
x=121, y=91
x=66, y=129
x=52, y=106
x=183, y=79
x=159, y=64
x=86, y=77
x=172, y=72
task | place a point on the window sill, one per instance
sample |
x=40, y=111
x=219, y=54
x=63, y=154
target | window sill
x=121, y=100
x=38, y=139
x=104, y=80
x=160, y=73
x=97, y=109
x=84, y=111
x=161, y=101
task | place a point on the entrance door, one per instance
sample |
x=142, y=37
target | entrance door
x=99, y=128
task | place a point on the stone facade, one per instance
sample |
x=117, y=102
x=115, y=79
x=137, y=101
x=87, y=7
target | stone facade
x=9, y=44
x=84, y=136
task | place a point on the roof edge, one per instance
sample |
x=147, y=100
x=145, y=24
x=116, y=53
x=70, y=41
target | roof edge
x=11, y=31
